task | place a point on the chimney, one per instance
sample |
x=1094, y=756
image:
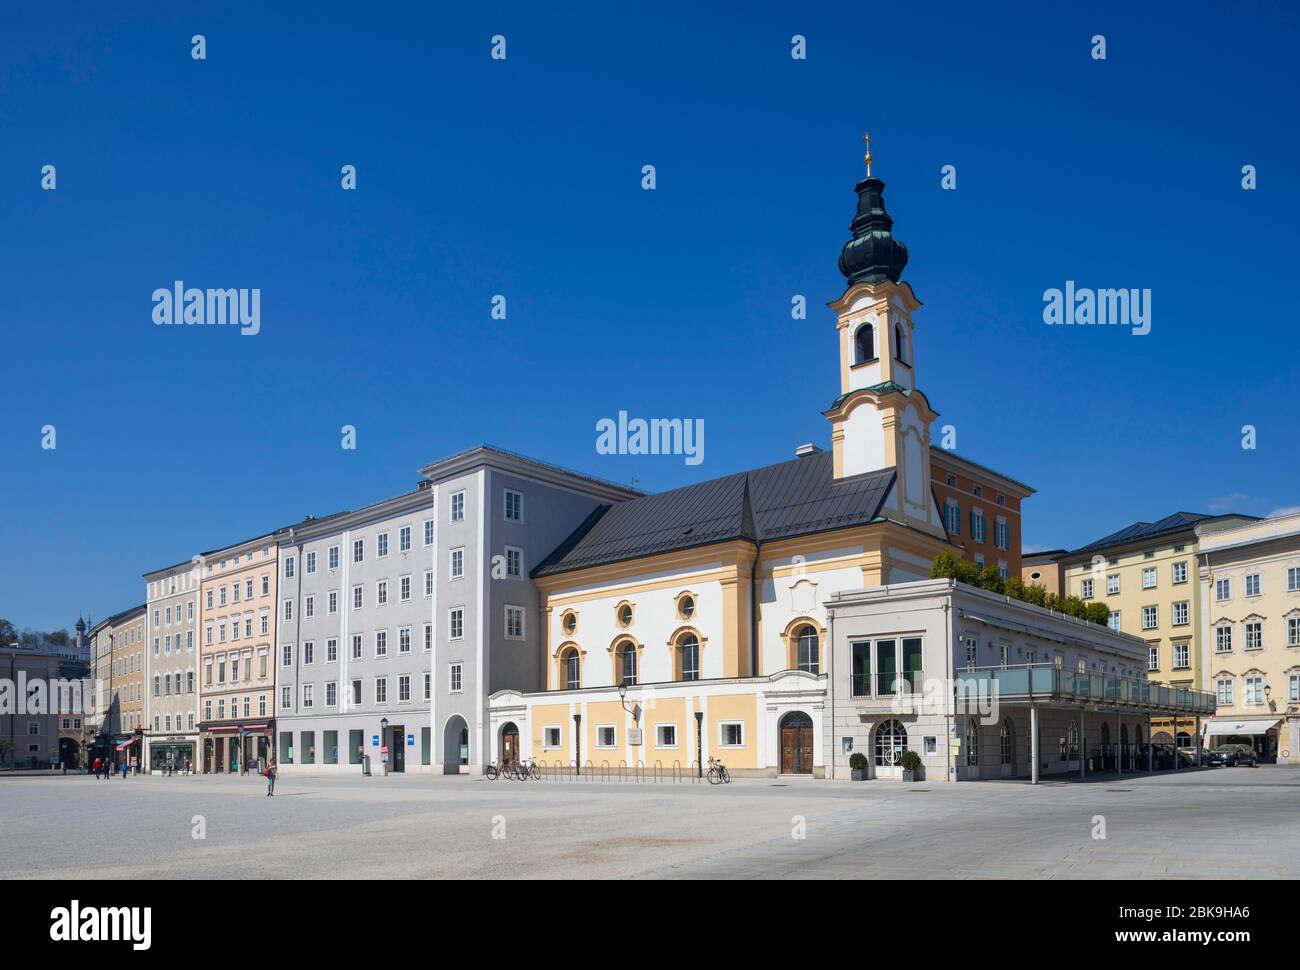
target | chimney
x=806, y=449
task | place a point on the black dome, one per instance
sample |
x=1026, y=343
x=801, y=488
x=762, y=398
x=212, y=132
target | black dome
x=873, y=255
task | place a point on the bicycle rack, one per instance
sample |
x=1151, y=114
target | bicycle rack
x=622, y=771
x=639, y=770
x=659, y=765
x=677, y=772
x=604, y=771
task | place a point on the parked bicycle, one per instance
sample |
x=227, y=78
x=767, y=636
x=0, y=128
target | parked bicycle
x=493, y=770
x=718, y=774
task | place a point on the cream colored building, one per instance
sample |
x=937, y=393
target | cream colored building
x=1147, y=573
x=1250, y=633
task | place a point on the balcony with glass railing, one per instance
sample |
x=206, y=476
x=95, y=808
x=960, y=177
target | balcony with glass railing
x=1047, y=682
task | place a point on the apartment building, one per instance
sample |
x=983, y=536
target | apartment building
x=1250, y=633
x=118, y=649
x=171, y=711
x=496, y=516
x=1148, y=574
x=981, y=510
x=238, y=610
x=353, y=662
x=30, y=720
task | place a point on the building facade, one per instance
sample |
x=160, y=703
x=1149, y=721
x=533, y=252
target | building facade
x=1044, y=569
x=984, y=686
x=1250, y=633
x=238, y=611
x=496, y=516
x=353, y=662
x=31, y=715
x=981, y=510
x=171, y=712
x=1148, y=574
x=118, y=648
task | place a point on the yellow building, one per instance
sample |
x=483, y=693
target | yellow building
x=1250, y=633
x=1147, y=573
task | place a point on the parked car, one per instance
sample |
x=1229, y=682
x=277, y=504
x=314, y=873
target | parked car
x=1232, y=756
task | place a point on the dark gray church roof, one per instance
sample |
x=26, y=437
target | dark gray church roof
x=793, y=498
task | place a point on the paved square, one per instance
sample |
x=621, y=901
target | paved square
x=1223, y=823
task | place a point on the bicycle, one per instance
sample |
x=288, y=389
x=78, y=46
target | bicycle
x=718, y=774
x=492, y=771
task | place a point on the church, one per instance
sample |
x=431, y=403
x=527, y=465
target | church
x=693, y=623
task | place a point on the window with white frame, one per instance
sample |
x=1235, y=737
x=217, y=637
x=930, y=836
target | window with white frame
x=1223, y=589
x=356, y=646
x=1112, y=584
x=357, y=597
x=331, y=694
x=428, y=637
x=978, y=525
x=428, y=583
x=308, y=655
x=358, y=550
x=381, y=545
x=1085, y=589
x=286, y=656
x=404, y=589
x=1153, y=658
x=1254, y=635
x=332, y=650
x=1179, y=572
x=404, y=539
x=428, y=532
x=334, y=557
x=1149, y=577
x=381, y=690
x=404, y=688
x=381, y=592
x=381, y=643
x=1150, y=617
x=1252, y=584
x=458, y=506
x=455, y=623
x=1182, y=654
x=1182, y=613
x=332, y=602
x=731, y=734
x=454, y=682
x=606, y=737
x=404, y=640
x=665, y=735
x=309, y=607
x=1293, y=631
x=1254, y=689
x=952, y=517
x=514, y=505
x=288, y=609
x=1293, y=579
x=1223, y=692
x=1001, y=533
x=1223, y=638
x=1113, y=620
x=310, y=562
x=308, y=695
x=514, y=562
x=550, y=736
x=514, y=622
x=286, y=699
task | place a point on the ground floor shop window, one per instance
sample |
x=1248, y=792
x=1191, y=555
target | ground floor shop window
x=891, y=740
x=331, y=747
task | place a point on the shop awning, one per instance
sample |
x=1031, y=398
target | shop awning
x=125, y=744
x=1222, y=727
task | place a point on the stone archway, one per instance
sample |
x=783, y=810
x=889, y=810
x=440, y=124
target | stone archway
x=455, y=746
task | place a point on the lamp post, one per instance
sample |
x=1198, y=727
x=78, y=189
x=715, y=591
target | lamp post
x=383, y=743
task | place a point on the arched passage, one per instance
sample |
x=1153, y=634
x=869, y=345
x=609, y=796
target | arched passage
x=510, y=753
x=455, y=745
x=796, y=730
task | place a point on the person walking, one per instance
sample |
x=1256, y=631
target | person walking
x=126, y=770
x=95, y=767
x=270, y=779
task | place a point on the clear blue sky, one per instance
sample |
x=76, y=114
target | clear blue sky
x=522, y=177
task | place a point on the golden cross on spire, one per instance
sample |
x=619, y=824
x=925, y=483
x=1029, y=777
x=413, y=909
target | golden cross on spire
x=867, y=157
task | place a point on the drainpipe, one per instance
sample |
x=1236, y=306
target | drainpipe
x=753, y=611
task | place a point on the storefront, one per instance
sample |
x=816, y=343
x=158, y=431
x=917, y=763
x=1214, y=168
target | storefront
x=126, y=750
x=171, y=750
x=234, y=746
x=1260, y=733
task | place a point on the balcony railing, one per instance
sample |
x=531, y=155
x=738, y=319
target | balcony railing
x=1048, y=682
x=887, y=685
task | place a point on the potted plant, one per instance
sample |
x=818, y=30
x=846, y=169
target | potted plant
x=858, y=766
x=910, y=762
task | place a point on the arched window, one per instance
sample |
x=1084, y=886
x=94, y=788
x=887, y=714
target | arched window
x=1072, y=738
x=891, y=741
x=626, y=654
x=571, y=669
x=864, y=344
x=808, y=643
x=1008, y=750
x=898, y=344
x=688, y=657
x=1123, y=735
x=972, y=742
x=1105, y=735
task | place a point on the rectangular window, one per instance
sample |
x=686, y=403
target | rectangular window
x=1153, y=658
x=1293, y=631
x=605, y=736
x=428, y=686
x=514, y=562
x=457, y=563
x=428, y=583
x=1112, y=585
x=1181, y=656
x=310, y=563
x=358, y=550
x=1223, y=639
x=1149, y=578
x=1254, y=690
x=428, y=532
x=514, y=622
x=1085, y=589
x=357, y=597
x=1150, y=617
x=381, y=592
x=1179, y=572
x=455, y=623
x=381, y=545
x=309, y=607
x=457, y=506
x=288, y=609
x=286, y=698
x=428, y=637
x=454, y=678
x=356, y=692
x=356, y=646
x=665, y=735
x=332, y=602
x=288, y=571
x=331, y=650
x=1182, y=613
x=952, y=518
x=978, y=526
x=1293, y=579
x=404, y=539
x=286, y=655
x=308, y=695
x=1252, y=584
x=1222, y=589
x=731, y=734
x=404, y=640
x=550, y=737
x=334, y=557
x=381, y=643
x=1254, y=636
x=381, y=690
x=1223, y=692
x=308, y=652
x=404, y=688
x=514, y=510
x=1001, y=534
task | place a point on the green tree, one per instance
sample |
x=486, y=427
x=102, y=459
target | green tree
x=990, y=579
x=1036, y=594
x=1014, y=587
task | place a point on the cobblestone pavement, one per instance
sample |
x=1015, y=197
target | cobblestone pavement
x=1225, y=823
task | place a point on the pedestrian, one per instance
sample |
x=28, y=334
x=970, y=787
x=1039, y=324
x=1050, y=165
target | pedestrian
x=270, y=779
x=95, y=767
x=126, y=770
x=187, y=766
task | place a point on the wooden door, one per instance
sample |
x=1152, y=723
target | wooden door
x=510, y=747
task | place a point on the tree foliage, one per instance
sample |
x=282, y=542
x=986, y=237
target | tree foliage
x=948, y=565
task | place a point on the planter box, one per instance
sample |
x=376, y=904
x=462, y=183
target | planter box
x=909, y=775
x=859, y=774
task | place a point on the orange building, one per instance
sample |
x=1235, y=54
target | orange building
x=981, y=510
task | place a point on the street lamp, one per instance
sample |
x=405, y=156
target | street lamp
x=635, y=709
